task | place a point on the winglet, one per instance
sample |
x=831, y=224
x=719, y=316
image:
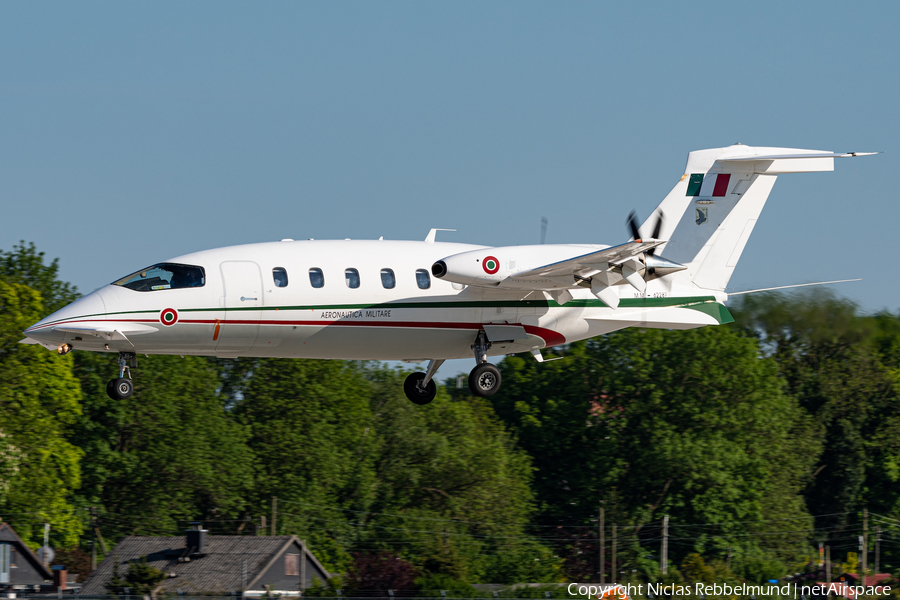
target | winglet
x=429, y=239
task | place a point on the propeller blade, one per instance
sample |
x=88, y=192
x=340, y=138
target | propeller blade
x=544, y=222
x=657, y=230
x=633, y=225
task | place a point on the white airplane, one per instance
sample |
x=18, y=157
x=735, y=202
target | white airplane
x=417, y=301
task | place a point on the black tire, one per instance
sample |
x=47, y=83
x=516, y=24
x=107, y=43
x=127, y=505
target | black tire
x=420, y=397
x=123, y=388
x=111, y=390
x=484, y=380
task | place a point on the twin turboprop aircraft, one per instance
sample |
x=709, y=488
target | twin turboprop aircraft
x=418, y=301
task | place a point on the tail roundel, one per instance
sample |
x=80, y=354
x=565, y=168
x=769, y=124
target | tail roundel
x=711, y=211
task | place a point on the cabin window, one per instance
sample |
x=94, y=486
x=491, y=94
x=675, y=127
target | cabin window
x=316, y=277
x=423, y=279
x=387, y=279
x=351, y=276
x=164, y=276
x=292, y=564
x=280, y=277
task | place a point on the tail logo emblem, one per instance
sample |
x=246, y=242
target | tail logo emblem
x=702, y=215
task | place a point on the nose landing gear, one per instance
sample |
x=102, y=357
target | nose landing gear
x=122, y=388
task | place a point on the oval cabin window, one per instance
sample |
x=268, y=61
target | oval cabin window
x=316, y=277
x=423, y=279
x=387, y=279
x=351, y=276
x=279, y=274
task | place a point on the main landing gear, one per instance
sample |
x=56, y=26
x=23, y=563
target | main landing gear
x=122, y=388
x=484, y=379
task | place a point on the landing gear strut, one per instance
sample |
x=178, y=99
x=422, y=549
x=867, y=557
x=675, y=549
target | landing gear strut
x=122, y=388
x=420, y=387
x=484, y=379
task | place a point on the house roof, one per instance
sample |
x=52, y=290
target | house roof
x=870, y=579
x=219, y=570
x=9, y=534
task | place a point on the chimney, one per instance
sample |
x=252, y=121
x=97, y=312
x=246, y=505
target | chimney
x=196, y=538
x=60, y=575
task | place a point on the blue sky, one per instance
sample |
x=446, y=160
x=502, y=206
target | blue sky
x=134, y=132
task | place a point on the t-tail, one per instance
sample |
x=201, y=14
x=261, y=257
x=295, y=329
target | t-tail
x=711, y=212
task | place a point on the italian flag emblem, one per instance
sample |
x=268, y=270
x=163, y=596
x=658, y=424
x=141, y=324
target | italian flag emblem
x=490, y=265
x=168, y=317
x=711, y=184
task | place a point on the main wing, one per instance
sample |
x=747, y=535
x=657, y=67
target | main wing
x=527, y=268
x=588, y=264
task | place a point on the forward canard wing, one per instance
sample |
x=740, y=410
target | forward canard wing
x=108, y=330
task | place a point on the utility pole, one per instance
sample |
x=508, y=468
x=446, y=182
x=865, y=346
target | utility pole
x=46, y=544
x=274, y=513
x=664, y=555
x=865, y=546
x=614, y=576
x=93, y=539
x=828, y=564
x=602, y=546
x=261, y=530
x=877, y=548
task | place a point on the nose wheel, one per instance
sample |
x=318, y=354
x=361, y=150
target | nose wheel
x=121, y=387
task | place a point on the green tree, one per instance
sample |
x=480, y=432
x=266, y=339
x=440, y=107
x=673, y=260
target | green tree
x=310, y=430
x=168, y=454
x=39, y=402
x=141, y=578
x=25, y=265
x=455, y=467
x=687, y=423
x=843, y=369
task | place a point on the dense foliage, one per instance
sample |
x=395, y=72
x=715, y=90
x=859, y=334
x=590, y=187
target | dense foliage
x=759, y=440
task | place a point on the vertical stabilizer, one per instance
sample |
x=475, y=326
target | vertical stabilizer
x=710, y=213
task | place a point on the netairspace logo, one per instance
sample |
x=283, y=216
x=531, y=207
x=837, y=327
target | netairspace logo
x=790, y=590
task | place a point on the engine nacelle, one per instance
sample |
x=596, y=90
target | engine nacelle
x=491, y=266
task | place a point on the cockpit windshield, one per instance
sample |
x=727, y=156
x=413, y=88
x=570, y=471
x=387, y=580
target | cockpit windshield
x=164, y=276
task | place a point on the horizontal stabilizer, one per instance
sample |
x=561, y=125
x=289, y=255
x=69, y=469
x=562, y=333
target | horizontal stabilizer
x=806, y=155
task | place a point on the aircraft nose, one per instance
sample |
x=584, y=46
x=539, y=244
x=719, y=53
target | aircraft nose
x=87, y=308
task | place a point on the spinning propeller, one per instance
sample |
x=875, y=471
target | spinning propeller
x=636, y=232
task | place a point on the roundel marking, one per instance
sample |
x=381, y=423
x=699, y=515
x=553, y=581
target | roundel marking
x=490, y=265
x=168, y=317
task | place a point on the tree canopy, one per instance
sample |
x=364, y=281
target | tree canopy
x=758, y=440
